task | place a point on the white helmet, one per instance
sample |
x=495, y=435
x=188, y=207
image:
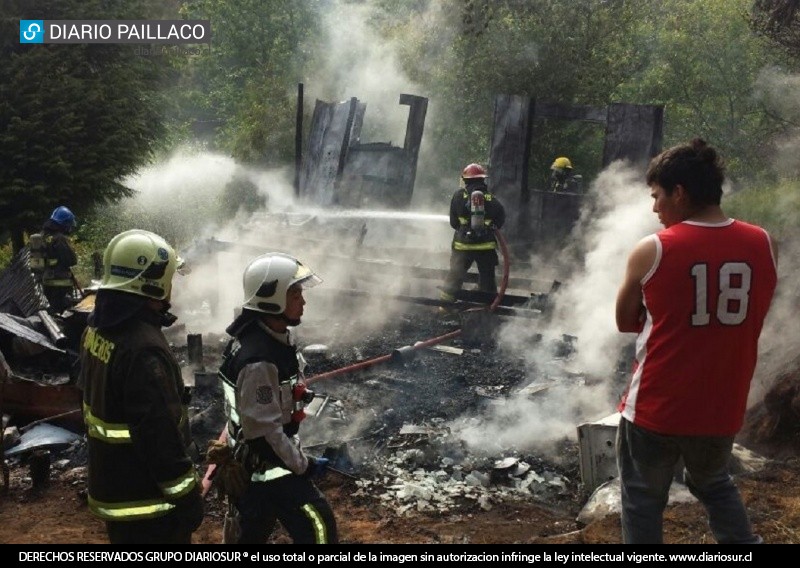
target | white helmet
x=268, y=278
x=139, y=262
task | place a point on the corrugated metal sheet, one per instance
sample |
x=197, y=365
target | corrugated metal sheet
x=19, y=293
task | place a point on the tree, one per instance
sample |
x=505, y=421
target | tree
x=703, y=64
x=778, y=20
x=247, y=82
x=74, y=119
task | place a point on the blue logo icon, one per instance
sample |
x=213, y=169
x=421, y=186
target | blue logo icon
x=31, y=31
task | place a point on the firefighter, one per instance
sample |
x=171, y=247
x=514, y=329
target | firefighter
x=262, y=378
x=142, y=481
x=474, y=214
x=56, y=259
x=562, y=177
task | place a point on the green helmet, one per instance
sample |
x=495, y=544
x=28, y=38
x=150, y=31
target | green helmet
x=267, y=279
x=139, y=262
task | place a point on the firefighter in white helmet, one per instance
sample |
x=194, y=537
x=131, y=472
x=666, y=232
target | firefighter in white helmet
x=264, y=390
x=474, y=214
x=142, y=481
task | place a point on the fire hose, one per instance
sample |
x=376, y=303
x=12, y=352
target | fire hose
x=433, y=341
x=207, y=479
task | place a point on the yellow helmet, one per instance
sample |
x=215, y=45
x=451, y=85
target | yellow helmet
x=561, y=163
x=139, y=262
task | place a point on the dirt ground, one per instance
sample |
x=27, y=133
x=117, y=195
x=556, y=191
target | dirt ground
x=57, y=514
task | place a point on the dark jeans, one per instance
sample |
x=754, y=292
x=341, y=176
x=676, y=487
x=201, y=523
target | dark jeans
x=294, y=501
x=647, y=462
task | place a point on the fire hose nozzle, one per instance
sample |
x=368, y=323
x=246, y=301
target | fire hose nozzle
x=301, y=396
x=404, y=354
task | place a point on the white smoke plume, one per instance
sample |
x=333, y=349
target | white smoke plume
x=585, y=387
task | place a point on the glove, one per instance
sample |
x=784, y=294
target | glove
x=316, y=467
x=230, y=477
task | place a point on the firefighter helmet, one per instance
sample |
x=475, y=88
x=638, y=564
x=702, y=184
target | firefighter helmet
x=473, y=171
x=561, y=163
x=140, y=262
x=64, y=217
x=267, y=279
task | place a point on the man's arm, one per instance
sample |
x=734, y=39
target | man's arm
x=455, y=203
x=630, y=310
x=262, y=414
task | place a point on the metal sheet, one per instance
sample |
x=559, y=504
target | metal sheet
x=42, y=436
x=20, y=327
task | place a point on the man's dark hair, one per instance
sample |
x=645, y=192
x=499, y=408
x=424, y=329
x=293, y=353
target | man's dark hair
x=696, y=166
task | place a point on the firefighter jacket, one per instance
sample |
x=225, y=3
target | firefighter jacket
x=465, y=238
x=259, y=371
x=59, y=257
x=134, y=407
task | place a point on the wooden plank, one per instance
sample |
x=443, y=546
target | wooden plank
x=509, y=154
x=413, y=140
x=570, y=112
x=633, y=133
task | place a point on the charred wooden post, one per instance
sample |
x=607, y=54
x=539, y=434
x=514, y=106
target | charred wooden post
x=509, y=154
x=339, y=170
x=632, y=132
x=194, y=342
x=298, y=140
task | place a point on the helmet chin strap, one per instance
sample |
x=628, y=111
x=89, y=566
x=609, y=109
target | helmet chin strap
x=289, y=322
x=167, y=318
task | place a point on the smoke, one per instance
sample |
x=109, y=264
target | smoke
x=777, y=90
x=360, y=63
x=187, y=199
x=579, y=387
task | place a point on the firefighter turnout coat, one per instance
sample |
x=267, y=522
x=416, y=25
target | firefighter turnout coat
x=134, y=405
x=465, y=238
x=259, y=372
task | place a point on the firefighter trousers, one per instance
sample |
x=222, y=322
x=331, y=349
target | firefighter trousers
x=295, y=502
x=460, y=263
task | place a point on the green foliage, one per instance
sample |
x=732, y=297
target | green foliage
x=773, y=206
x=248, y=79
x=74, y=119
x=703, y=65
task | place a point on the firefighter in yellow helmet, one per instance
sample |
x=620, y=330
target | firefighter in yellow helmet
x=562, y=177
x=142, y=482
x=474, y=214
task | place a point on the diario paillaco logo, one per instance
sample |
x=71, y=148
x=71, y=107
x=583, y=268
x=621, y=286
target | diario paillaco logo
x=115, y=31
x=31, y=31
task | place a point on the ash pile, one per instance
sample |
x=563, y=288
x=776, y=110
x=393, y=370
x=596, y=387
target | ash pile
x=400, y=429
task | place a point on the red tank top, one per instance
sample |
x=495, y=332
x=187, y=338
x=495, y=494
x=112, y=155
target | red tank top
x=706, y=298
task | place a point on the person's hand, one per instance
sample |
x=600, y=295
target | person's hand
x=317, y=467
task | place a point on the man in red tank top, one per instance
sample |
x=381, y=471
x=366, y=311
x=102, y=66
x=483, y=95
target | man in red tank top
x=697, y=294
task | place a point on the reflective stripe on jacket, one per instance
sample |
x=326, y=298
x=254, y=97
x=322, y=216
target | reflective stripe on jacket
x=136, y=421
x=467, y=239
